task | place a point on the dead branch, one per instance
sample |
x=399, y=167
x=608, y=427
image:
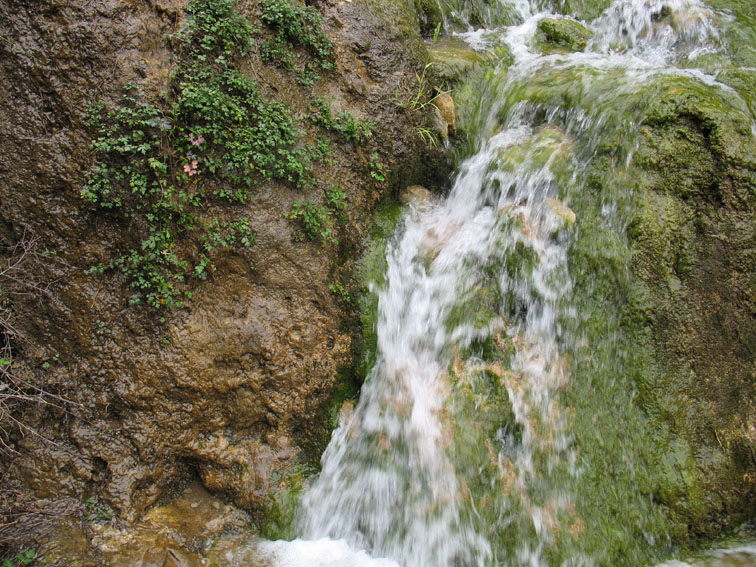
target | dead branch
x=18, y=278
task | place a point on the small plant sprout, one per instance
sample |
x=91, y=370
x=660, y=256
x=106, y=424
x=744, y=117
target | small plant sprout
x=378, y=171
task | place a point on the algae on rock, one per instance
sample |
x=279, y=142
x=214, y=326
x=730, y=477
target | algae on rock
x=557, y=35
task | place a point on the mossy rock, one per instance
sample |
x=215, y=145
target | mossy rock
x=459, y=15
x=557, y=35
x=743, y=81
x=371, y=273
x=583, y=9
x=738, y=24
x=452, y=58
x=283, y=500
x=429, y=16
x=683, y=322
x=547, y=144
x=402, y=20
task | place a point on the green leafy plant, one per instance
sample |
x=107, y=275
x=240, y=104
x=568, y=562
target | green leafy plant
x=315, y=221
x=339, y=291
x=26, y=557
x=421, y=93
x=335, y=198
x=428, y=136
x=97, y=510
x=343, y=123
x=378, y=171
x=296, y=26
x=153, y=164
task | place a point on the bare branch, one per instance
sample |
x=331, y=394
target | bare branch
x=19, y=278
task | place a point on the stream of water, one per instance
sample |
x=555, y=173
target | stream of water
x=459, y=441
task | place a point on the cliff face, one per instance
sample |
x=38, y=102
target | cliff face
x=105, y=404
x=234, y=385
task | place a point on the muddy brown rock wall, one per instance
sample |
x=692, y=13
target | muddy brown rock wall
x=232, y=387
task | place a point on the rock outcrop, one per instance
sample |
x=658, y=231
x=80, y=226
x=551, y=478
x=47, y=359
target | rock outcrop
x=235, y=386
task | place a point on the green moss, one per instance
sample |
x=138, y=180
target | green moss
x=401, y=19
x=486, y=437
x=547, y=145
x=371, y=272
x=460, y=14
x=739, y=29
x=477, y=307
x=283, y=501
x=561, y=35
x=583, y=9
x=654, y=473
x=744, y=81
x=429, y=16
x=452, y=58
x=635, y=300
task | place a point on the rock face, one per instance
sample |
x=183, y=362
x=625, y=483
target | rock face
x=686, y=325
x=416, y=195
x=233, y=387
x=695, y=237
x=447, y=111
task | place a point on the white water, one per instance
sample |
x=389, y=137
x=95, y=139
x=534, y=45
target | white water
x=744, y=556
x=389, y=493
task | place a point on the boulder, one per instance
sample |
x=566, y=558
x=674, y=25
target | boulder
x=416, y=195
x=561, y=35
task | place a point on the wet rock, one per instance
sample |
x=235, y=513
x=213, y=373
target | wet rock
x=173, y=535
x=235, y=386
x=562, y=211
x=453, y=58
x=691, y=265
x=440, y=125
x=416, y=195
x=447, y=110
x=558, y=34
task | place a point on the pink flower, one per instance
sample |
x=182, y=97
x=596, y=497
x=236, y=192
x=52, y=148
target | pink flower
x=196, y=141
x=191, y=168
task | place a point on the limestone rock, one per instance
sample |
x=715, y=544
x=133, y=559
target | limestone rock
x=447, y=110
x=233, y=386
x=453, y=58
x=561, y=210
x=440, y=124
x=416, y=195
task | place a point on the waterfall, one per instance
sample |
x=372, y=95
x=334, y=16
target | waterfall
x=473, y=353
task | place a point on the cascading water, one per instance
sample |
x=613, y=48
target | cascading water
x=460, y=452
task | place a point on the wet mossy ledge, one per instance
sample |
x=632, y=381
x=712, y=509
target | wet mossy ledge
x=662, y=291
x=558, y=35
x=660, y=390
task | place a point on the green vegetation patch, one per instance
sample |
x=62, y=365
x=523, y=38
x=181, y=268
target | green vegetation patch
x=371, y=274
x=316, y=220
x=161, y=167
x=560, y=35
x=343, y=123
x=296, y=27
